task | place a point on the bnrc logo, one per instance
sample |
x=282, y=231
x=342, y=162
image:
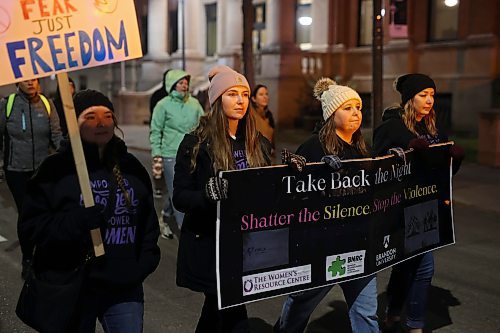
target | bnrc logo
x=387, y=239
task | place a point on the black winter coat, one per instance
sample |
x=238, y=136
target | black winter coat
x=196, y=255
x=393, y=133
x=54, y=218
x=312, y=149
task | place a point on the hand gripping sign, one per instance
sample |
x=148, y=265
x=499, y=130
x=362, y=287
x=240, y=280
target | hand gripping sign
x=44, y=37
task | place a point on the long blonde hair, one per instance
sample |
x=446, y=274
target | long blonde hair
x=214, y=129
x=331, y=142
x=409, y=117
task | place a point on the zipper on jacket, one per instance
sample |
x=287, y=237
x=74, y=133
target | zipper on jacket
x=23, y=121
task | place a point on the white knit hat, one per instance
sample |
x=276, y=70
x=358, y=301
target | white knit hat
x=333, y=95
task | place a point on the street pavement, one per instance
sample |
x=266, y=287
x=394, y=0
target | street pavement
x=464, y=295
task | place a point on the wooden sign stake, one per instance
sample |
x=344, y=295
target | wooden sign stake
x=76, y=146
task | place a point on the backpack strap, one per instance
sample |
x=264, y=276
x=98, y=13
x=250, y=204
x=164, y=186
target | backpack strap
x=12, y=97
x=45, y=102
x=10, y=104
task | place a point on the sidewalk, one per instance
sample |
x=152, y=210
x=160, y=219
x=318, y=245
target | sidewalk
x=474, y=185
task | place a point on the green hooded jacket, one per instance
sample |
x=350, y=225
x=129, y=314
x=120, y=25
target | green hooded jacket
x=173, y=117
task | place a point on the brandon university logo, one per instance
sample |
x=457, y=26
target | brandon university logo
x=387, y=239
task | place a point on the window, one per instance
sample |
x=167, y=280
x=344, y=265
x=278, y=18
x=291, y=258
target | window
x=173, y=29
x=259, y=26
x=365, y=22
x=444, y=20
x=211, y=13
x=304, y=21
x=398, y=22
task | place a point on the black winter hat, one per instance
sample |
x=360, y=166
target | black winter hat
x=86, y=98
x=411, y=84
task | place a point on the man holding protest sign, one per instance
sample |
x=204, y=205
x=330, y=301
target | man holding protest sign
x=339, y=138
x=412, y=124
x=29, y=126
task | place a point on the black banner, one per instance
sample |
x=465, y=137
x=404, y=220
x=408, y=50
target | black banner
x=283, y=231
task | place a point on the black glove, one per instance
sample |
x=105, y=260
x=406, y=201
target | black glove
x=418, y=144
x=297, y=162
x=333, y=161
x=398, y=152
x=216, y=189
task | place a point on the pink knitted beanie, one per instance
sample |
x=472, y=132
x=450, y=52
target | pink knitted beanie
x=221, y=79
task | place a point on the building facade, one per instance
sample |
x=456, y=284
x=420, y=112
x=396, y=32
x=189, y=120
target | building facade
x=297, y=41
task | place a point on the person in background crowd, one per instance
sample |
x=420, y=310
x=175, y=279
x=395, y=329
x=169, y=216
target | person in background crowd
x=173, y=116
x=54, y=217
x=159, y=184
x=225, y=139
x=339, y=138
x=29, y=128
x=158, y=95
x=60, y=108
x=412, y=124
x=259, y=102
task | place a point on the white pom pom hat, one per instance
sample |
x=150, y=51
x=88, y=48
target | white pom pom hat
x=334, y=96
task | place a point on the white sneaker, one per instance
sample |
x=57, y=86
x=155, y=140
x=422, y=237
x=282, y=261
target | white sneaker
x=165, y=231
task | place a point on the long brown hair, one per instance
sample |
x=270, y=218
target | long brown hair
x=331, y=142
x=213, y=128
x=409, y=117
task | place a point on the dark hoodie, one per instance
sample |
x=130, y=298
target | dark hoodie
x=158, y=95
x=54, y=218
x=393, y=133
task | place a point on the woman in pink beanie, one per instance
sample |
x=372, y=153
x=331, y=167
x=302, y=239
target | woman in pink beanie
x=225, y=139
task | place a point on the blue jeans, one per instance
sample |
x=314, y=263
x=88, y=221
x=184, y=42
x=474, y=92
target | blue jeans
x=168, y=165
x=361, y=298
x=410, y=282
x=118, y=313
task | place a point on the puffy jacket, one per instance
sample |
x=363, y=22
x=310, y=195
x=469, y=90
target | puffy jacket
x=173, y=117
x=26, y=146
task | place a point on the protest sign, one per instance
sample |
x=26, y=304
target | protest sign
x=282, y=231
x=43, y=37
